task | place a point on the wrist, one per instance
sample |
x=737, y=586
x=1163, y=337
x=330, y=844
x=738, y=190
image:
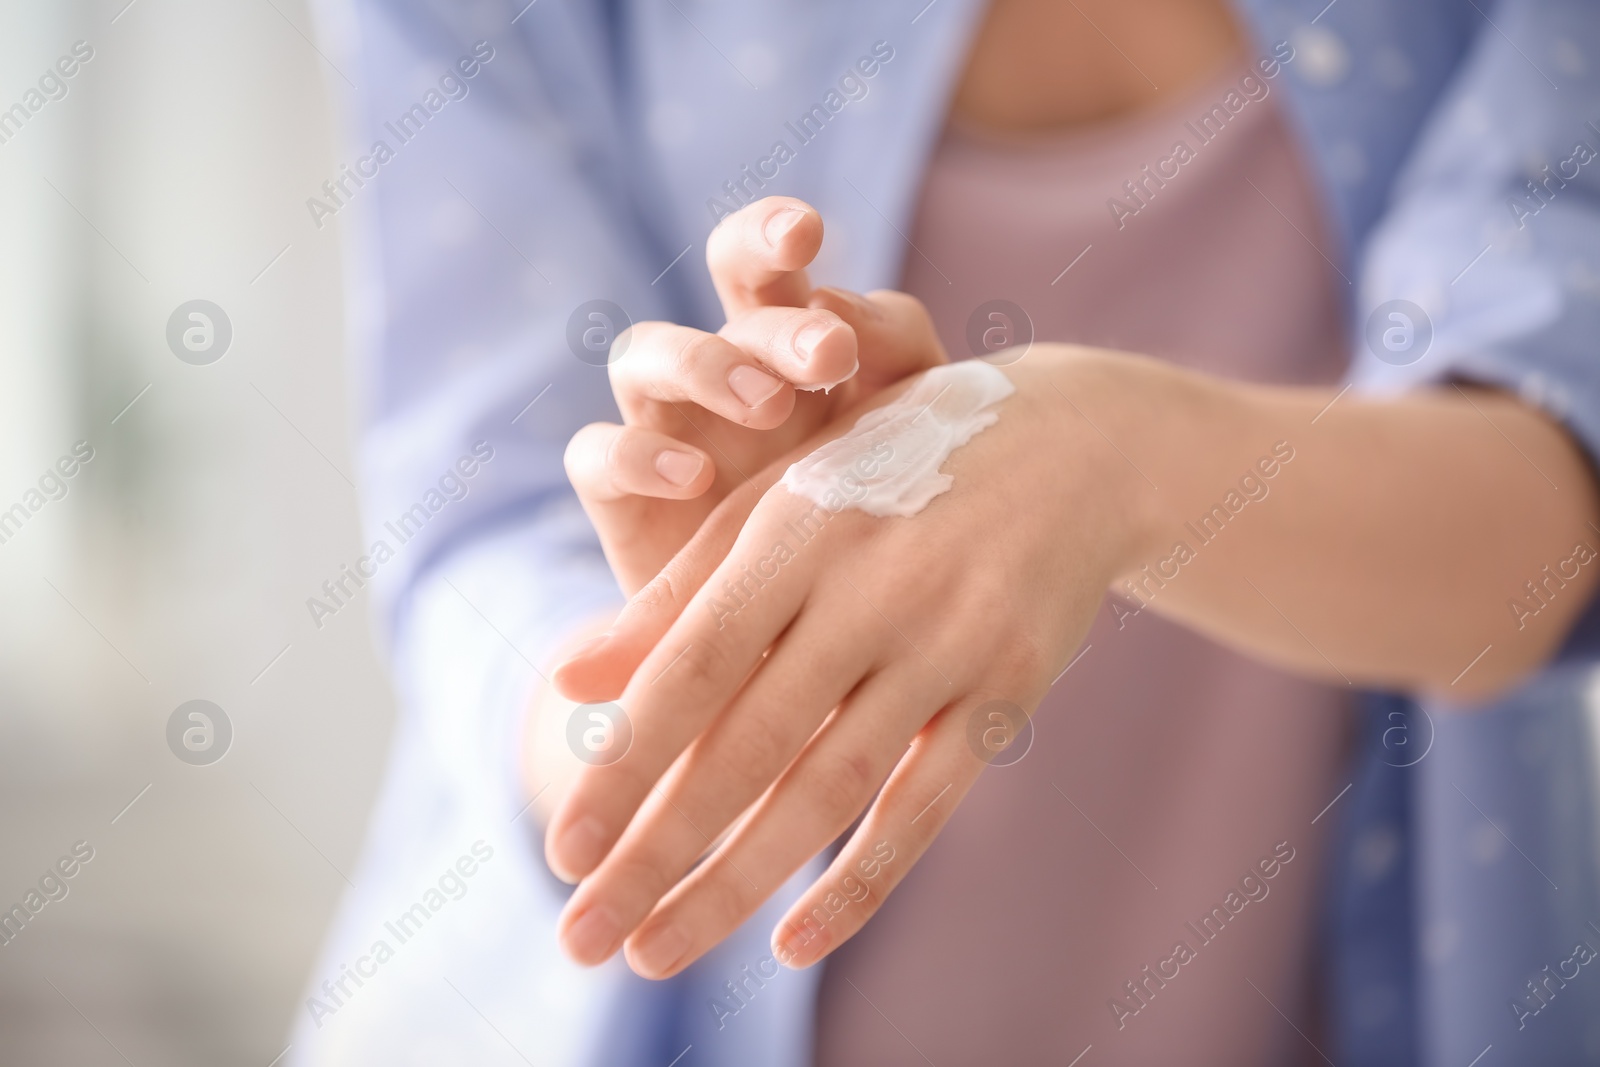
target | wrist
x=1102, y=406
x=1155, y=446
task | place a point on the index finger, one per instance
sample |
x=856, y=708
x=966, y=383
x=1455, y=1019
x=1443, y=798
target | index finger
x=758, y=255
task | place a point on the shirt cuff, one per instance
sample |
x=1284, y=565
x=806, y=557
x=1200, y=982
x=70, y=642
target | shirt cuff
x=476, y=637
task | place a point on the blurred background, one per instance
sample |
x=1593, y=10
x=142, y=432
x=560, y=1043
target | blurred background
x=174, y=168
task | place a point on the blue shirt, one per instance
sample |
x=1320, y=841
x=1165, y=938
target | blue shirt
x=507, y=166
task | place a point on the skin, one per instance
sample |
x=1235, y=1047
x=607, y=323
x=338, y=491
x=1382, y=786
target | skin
x=1034, y=65
x=689, y=438
x=1385, y=554
x=1043, y=65
x=679, y=390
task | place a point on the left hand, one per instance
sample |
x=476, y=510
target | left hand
x=689, y=438
x=690, y=434
x=883, y=633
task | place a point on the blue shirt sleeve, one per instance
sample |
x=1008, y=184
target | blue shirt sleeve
x=1486, y=267
x=488, y=201
x=1493, y=231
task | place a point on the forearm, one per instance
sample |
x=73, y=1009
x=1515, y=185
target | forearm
x=1391, y=543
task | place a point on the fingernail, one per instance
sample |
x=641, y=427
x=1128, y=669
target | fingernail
x=581, y=847
x=679, y=468
x=808, y=339
x=780, y=224
x=752, y=387
x=657, y=951
x=593, y=937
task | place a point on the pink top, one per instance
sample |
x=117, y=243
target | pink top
x=1164, y=769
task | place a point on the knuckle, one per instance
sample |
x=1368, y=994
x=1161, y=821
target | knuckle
x=611, y=457
x=901, y=304
x=659, y=594
x=1025, y=657
x=726, y=894
x=771, y=512
x=842, y=303
x=772, y=329
x=572, y=458
x=702, y=664
x=724, y=247
x=843, y=782
x=1003, y=666
x=612, y=793
x=912, y=324
x=630, y=347
x=749, y=752
x=696, y=350
x=730, y=230
x=787, y=330
x=875, y=890
x=631, y=333
x=986, y=600
x=1010, y=655
x=588, y=444
x=644, y=876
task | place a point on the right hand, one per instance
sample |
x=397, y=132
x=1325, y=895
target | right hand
x=702, y=412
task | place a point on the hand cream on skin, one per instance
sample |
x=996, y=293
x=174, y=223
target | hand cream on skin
x=828, y=387
x=947, y=407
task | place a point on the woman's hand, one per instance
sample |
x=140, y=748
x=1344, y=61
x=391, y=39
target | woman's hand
x=702, y=412
x=1371, y=542
x=888, y=639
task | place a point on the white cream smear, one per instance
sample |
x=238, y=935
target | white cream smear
x=888, y=463
x=828, y=387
